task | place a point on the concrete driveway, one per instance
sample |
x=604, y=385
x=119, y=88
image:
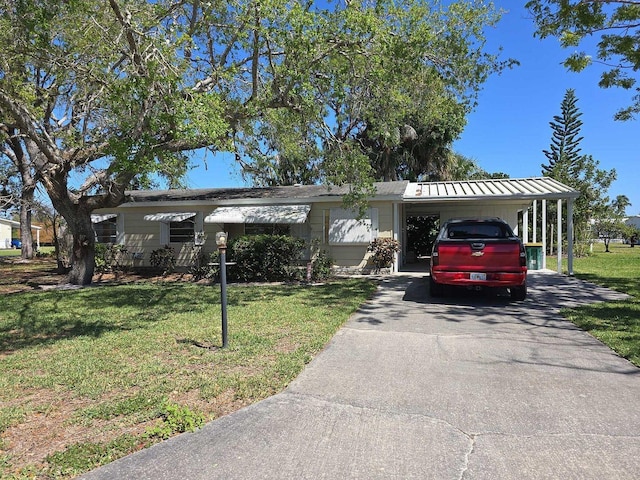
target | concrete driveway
x=466, y=387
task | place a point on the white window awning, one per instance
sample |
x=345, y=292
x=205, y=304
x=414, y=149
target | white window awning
x=260, y=214
x=168, y=217
x=97, y=218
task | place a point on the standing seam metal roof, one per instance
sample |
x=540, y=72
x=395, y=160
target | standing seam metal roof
x=507, y=188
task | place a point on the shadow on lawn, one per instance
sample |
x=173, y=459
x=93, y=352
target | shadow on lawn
x=621, y=284
x=33, y=319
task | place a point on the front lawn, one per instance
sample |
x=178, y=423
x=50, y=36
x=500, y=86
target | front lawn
x=89, y=375
x=16, y=252
x=615, y=323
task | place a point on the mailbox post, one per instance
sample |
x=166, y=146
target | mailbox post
x=221, y=242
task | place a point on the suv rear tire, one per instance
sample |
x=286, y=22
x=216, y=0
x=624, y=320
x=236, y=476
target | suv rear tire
x=436, y=289
x=519, y=293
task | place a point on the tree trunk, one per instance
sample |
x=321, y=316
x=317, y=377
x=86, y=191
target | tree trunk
x=26, y=236
x=76, y=210
x=83, y=260
x=78, y=217
x=58, y=248
x=27, y=194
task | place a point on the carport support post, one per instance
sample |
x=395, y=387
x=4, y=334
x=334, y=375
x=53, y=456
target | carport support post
x=535, y=221
x=559, y=239
x=544, y=233
x=570, y=236
x=396, y=229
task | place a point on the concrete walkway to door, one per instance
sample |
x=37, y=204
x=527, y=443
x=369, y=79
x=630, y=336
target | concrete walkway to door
x=465, y=387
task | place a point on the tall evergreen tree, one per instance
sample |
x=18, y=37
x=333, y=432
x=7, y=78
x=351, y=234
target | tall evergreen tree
x=564, y=149
x=580, y=172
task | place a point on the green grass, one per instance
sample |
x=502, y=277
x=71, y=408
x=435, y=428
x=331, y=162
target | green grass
x=13, y=252
x=617, y=324
x=106, y=361
x=120, y=365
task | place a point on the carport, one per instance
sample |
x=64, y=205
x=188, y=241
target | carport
x=514, y=200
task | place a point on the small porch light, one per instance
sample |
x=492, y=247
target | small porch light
x=221, y=239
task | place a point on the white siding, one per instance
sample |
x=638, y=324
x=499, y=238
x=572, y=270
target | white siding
x=5, y=235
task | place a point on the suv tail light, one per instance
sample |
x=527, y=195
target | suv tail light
x=435, y=257
x=523, y=256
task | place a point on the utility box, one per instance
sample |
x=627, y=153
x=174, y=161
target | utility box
x=534, y=255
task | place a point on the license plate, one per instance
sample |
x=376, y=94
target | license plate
x=477, y=276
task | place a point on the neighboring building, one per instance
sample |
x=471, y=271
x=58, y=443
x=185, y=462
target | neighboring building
x=10, y=229
x=633, y=221
x=187, y=220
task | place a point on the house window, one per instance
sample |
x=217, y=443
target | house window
x=267, y=228
x=106, y=231
x=346, y=227
x=182, y=232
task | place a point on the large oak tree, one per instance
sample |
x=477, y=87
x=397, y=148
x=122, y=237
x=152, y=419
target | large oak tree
x=98, y=94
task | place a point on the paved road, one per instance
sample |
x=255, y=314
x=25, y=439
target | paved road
x=468, y=387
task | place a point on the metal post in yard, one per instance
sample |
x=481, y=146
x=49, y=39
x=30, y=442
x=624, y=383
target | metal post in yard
x=221, y=241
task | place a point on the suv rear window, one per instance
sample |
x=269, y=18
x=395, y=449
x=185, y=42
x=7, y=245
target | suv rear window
x=478, y=230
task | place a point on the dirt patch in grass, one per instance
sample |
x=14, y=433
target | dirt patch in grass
x=18, y=275
x=49, y=430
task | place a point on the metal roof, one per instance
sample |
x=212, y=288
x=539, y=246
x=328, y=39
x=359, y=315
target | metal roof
x=504, y=188
x=466, y=190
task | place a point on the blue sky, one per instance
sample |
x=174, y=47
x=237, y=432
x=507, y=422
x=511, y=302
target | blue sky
x=510, y=126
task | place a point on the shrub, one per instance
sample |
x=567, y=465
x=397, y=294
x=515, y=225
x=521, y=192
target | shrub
x=321, y=263
x=202, y=267
x=383, y=250
x=109, y=257
x=265, y=258
x=164, y=258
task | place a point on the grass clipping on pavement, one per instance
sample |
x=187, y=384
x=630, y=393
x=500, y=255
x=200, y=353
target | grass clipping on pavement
x=90, y=375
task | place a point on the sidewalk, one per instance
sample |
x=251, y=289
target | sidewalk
x=470, y=387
